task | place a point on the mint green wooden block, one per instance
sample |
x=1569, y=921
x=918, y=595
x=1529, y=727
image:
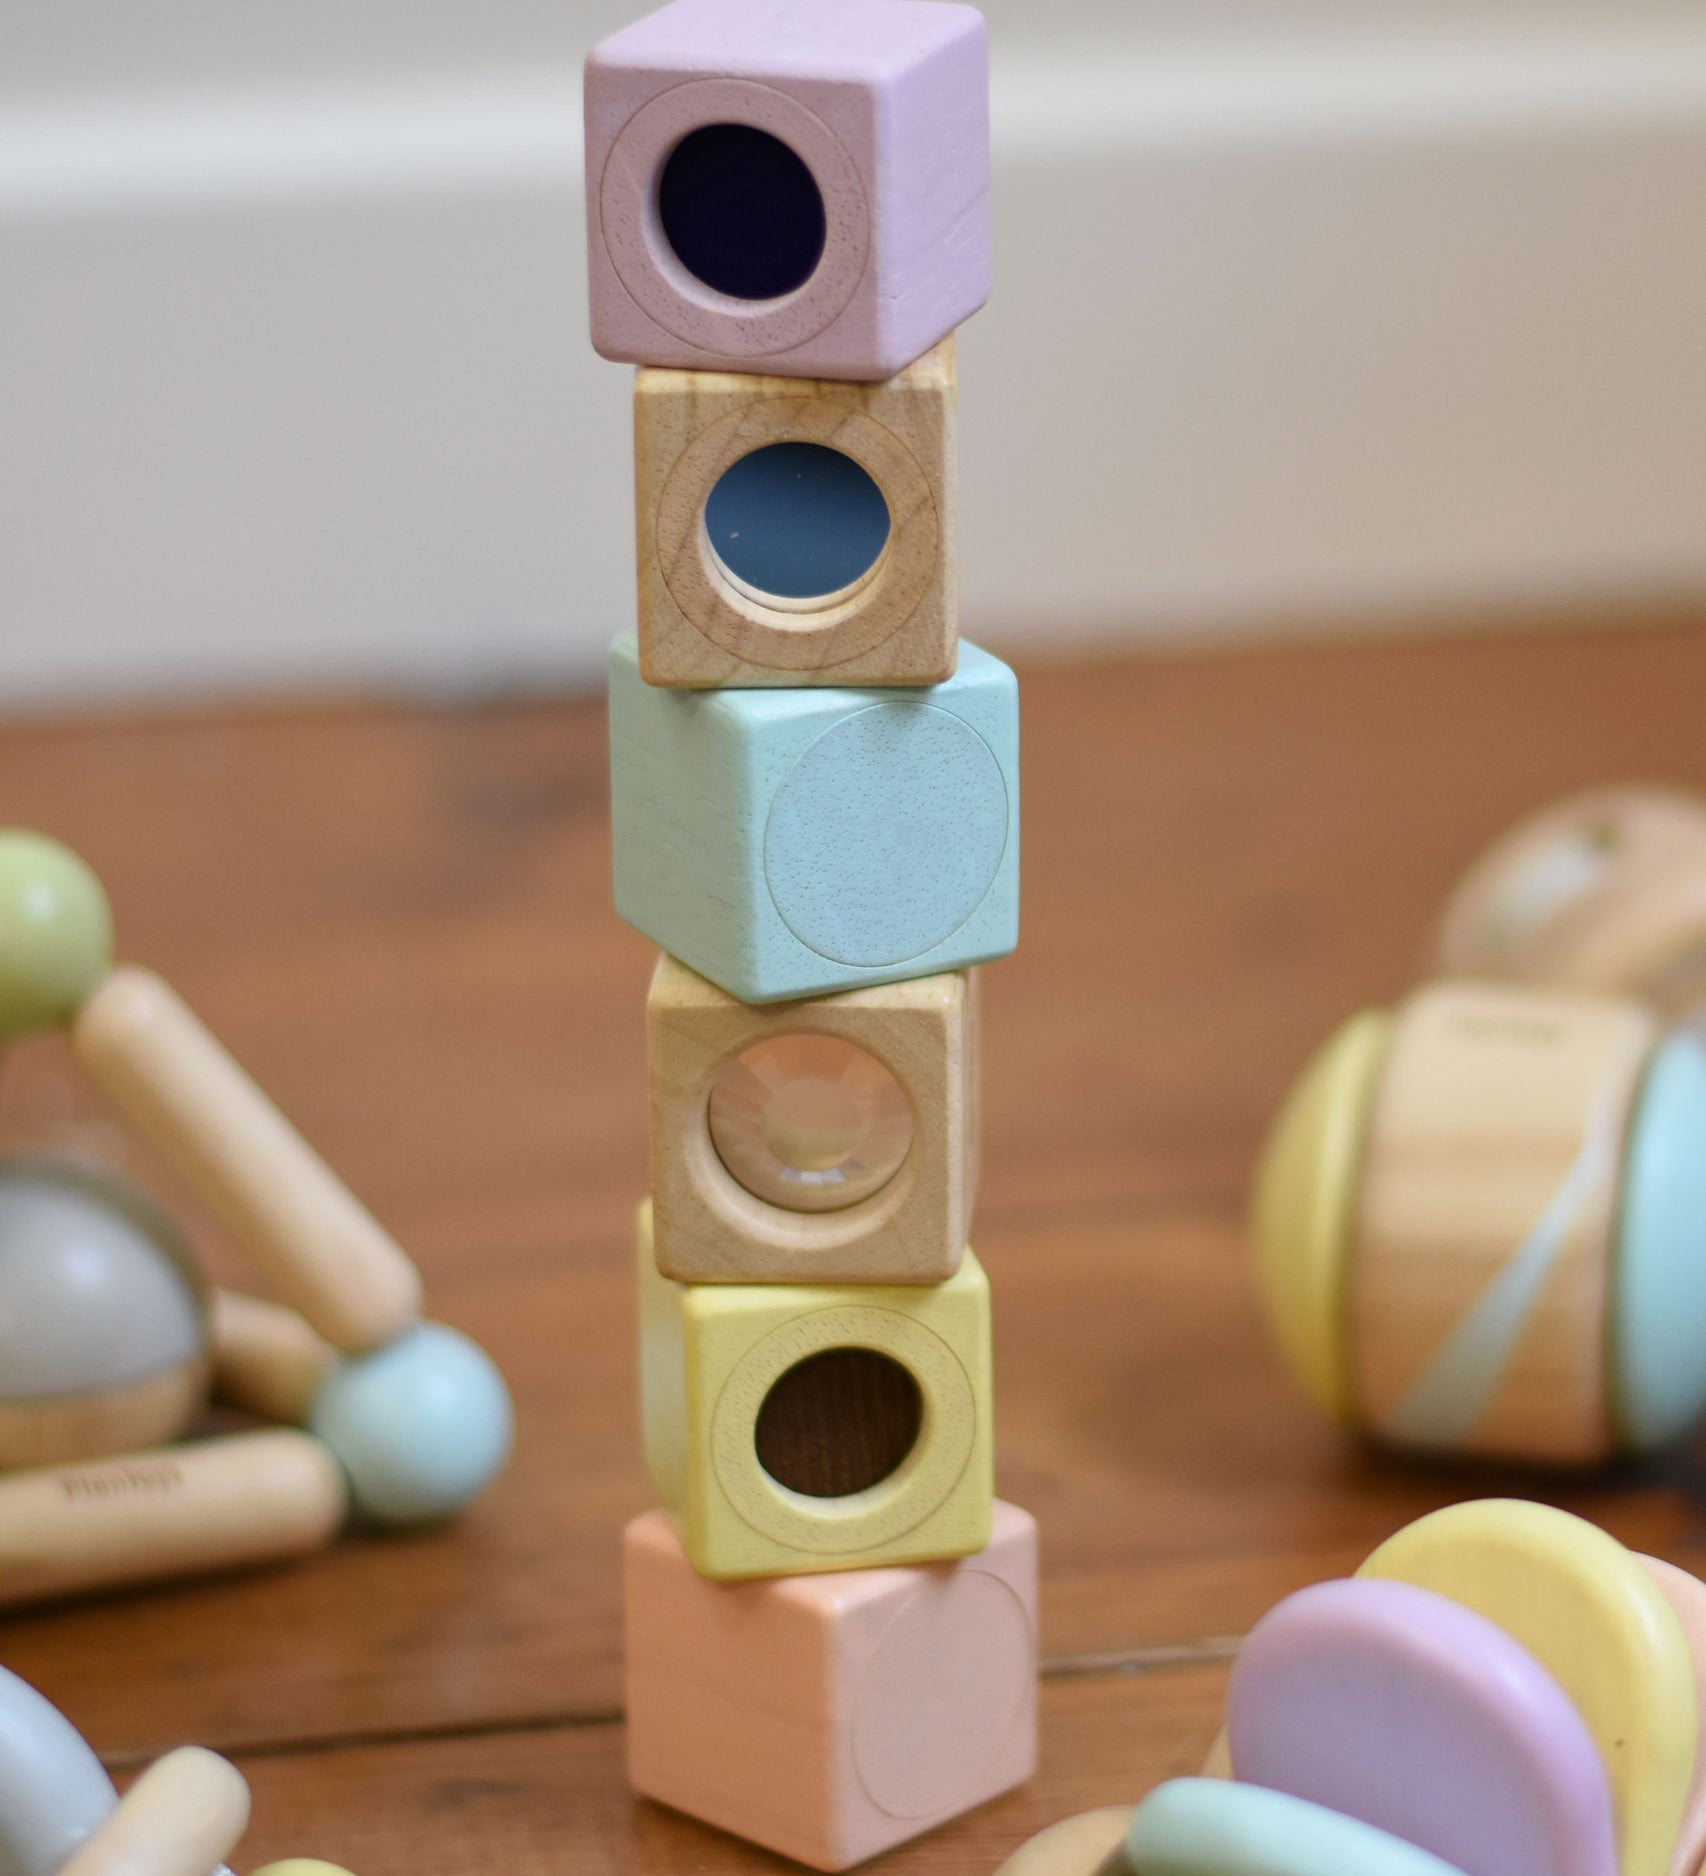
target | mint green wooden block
x=789, y=843
x=1211, y=1827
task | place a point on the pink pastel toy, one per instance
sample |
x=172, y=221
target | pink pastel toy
x=801, y=190
x=830, y=1717
x=1411, y=1712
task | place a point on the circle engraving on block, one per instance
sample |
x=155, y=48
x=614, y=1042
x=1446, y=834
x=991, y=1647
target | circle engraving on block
x=685, y=306
x=797, y=525
x=809, y=1123
x=829, y=1527
x=941, y=1696
x=769, y=628
x=741, y=212
x=838, y=1423
x=886, y=835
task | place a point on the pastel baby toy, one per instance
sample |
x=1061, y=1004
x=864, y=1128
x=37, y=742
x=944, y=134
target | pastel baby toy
x=110, y=1339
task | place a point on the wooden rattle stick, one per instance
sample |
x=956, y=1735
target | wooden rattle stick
x=182, y=1817
x=278, y=1198
x=174, y=1511
x=266, y=1359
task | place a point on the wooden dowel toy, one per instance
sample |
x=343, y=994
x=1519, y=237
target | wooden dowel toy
x=54, y=1792
x=178, y=1510
x=322, y=1250
x=182, y=1817
x=266, y=1359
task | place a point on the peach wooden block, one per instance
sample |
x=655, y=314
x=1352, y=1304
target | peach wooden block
x=1686, y=1595
x=701, y=625
x=282, y=1203
x=816, y=1427
x=210, y=1505
x=830, y=1717
x=1603, y=891
x=1091, y=1844
x=773, y=1129
x=1487, y=1213
x=267, y=1361
x=182, y=1817
x=1592, y=1616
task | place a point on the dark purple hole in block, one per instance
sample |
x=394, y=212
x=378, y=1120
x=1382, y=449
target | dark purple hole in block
x=741, y=211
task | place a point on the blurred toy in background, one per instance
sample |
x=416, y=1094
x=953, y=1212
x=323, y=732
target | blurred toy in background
x=111, y=1340
x=60, y=1815
x=1501, y=1690
x=1480, y=1218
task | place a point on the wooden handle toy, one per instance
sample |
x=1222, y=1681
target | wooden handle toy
x=178, y=1510
x=1604, y=891
x=280, y=1201
x=1481, y=1225
x=182, y=1817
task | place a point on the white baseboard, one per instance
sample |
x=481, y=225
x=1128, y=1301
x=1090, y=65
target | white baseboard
x=296, y=387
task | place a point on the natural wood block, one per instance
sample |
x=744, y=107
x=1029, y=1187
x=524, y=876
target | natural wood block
x=838, y=232
x=831, y=1717
x=1590, y=1613
x=702, y=624
x=795, y=1428
x=1486, y=1220
x=175, y=1083
x=833, y=1141
x=789, y=843
x=1604, y=891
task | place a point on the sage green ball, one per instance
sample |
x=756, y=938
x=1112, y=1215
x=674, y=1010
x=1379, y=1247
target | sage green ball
x=56, y=933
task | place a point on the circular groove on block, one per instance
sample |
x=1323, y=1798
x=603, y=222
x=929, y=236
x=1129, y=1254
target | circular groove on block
x=886, y=835
x=839, y=1423
x=741, y=211
x=809, y=1123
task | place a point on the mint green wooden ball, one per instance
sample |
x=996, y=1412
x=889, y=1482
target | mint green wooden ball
x=56, y=933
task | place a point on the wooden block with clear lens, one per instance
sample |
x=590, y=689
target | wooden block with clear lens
x=830, y=1141
x=1479, y=1289
x=797, y=1428
x=830, y=1717
x=796, y=531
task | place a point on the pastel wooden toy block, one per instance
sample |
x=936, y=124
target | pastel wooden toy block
x=1206, y=1827
x=831, y=1717
x=1479, y=1225
x=183, y=1816
x=211, y=1505
x=103, y=1331
x=788, y=843
x=804, y=189
x=1090, y=1844
x=1591, y=1614
x=1687, y=1598
x=1604, y=891
x=796, y=1428
x=833, y=1141
x=1409, y=1711
x=795, y=569
x=282, y=1203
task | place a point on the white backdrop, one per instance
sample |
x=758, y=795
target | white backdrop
x=1303, y=315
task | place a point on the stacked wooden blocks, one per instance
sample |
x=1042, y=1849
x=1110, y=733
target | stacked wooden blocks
x=831, y=1628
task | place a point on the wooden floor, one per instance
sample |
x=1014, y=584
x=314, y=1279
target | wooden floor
x=399, y=920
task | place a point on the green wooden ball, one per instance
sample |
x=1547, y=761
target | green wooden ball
x=56, y=933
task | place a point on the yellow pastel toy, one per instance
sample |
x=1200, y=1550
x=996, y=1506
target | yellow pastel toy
x=1588, y=1610
x=302, y=1866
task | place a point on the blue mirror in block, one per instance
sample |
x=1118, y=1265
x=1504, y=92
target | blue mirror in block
x=789, y=843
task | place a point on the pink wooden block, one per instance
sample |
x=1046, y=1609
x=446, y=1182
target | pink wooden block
x=831, y=1717
x=1687, y=1596
x=1394, y=1705
x=886, y=103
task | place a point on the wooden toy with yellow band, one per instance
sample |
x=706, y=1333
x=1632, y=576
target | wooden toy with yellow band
x=109, y=1337
x=1480, y=1223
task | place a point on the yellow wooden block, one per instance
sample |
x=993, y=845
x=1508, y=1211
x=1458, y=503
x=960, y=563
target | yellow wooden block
x=1305, y=1203
x=1588, y=1611
x=796, y=1428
